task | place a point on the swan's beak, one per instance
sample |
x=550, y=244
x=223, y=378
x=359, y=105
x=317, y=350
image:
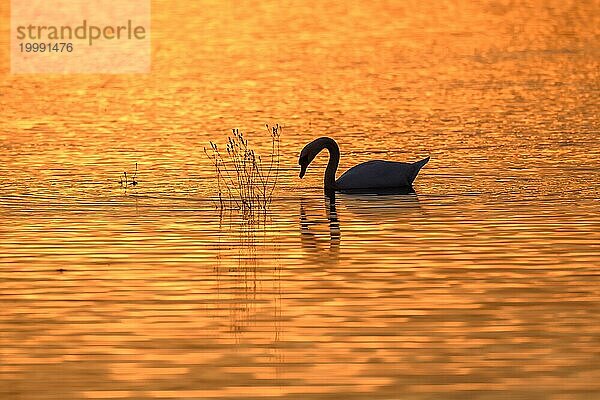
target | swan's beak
x=302, y=170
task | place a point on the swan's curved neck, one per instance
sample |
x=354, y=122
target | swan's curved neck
x=332, y=165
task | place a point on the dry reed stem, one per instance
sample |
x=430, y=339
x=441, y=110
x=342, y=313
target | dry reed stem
x=243, y=181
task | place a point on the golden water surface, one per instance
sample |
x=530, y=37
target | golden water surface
x=485, y=284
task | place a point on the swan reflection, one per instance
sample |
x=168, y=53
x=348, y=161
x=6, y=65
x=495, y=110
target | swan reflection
x=321, y=237
x=317, y=248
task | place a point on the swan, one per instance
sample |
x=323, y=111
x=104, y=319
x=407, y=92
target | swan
x=370, y=176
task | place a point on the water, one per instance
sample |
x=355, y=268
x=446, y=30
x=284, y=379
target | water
x=483, y=284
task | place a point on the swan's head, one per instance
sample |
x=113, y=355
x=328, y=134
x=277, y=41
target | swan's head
x=308, y=153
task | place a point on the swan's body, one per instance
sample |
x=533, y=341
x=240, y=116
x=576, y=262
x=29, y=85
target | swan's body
x=370, y=175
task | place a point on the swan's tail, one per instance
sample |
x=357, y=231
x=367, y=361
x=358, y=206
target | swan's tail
x=417, y=167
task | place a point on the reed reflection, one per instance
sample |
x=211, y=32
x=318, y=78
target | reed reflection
x=244, y=279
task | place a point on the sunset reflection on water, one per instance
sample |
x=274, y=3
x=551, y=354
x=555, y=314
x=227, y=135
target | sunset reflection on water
x=483, y=284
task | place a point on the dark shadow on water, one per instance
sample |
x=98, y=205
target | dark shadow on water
x=385, y=206
x=380, y=192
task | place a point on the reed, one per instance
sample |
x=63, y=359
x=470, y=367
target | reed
x=244, y=179
x=126, y=181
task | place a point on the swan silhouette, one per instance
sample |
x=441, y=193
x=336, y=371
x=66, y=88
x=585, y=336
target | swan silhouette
x=369, y=176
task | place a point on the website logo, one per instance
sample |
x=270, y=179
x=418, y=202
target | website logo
x=80, y=36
